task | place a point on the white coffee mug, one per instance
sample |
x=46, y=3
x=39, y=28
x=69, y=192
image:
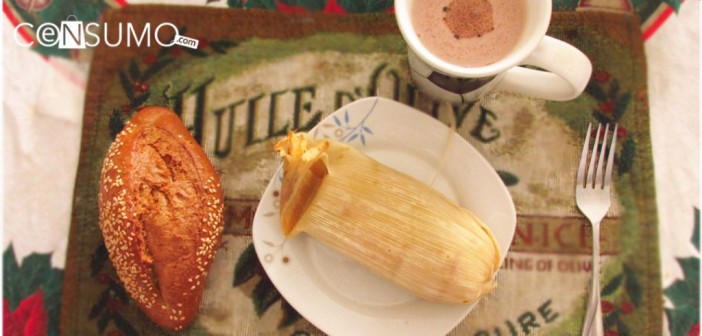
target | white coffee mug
x=566, y=69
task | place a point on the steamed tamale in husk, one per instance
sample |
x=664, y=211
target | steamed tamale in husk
x=394, y=225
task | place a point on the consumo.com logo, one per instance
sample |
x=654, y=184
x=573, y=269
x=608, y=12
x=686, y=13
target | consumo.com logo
x=73, y=34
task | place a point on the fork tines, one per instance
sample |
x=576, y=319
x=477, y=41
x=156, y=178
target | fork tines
x=596, y=177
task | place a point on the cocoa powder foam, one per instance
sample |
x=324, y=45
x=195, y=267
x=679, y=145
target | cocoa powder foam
x=469, y=33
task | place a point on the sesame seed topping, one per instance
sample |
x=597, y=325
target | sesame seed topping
x=122, y=228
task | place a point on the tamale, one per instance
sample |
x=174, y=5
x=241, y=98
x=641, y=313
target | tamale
x=387, y=221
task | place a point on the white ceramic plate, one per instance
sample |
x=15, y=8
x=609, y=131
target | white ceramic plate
x=336, y=294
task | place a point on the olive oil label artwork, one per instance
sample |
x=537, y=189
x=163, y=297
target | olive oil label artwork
x=257, y=75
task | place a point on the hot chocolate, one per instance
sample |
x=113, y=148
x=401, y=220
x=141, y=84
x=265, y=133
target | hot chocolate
x=470, y=33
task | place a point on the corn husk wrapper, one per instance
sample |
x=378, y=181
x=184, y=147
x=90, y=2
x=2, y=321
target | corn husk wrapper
x=394, y=225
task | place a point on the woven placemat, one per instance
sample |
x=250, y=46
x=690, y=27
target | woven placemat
x=257, y=74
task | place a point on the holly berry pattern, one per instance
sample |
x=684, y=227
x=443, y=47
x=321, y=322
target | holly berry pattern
x=621, y=295
x=612, y=104
x=248, y=268
x=327, y=6
x=135, y=78
x=107, y=310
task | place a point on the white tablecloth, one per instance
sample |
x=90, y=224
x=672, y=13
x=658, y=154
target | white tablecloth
x=674, y=96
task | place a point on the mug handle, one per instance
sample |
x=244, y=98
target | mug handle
x=567, y=72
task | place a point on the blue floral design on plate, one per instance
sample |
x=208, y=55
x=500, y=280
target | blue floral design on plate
x=348, y=132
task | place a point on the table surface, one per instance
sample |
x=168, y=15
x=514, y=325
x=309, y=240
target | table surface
x=43, y=101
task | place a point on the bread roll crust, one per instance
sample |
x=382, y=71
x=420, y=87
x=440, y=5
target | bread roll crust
x=161, y=209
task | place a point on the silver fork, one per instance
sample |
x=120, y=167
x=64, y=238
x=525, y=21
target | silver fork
x=592, y=194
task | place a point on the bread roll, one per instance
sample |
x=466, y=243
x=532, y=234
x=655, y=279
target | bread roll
x=160, y=204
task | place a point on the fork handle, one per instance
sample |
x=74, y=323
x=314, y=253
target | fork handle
x=593, y=320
